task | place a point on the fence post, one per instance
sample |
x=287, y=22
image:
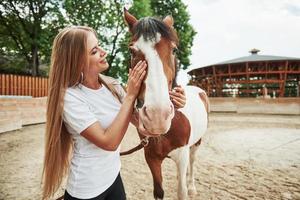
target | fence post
x=2, y=86
x=7, y=84
x=15, y=92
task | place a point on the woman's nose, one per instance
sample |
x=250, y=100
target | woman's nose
x=102, y=52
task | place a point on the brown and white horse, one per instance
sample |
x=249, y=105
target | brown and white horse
x=179, y=131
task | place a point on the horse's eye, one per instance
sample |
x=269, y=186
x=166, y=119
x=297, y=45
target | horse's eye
x=174, y=50
x=132, y=50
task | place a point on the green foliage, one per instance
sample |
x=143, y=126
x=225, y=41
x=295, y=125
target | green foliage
x=51, y=24
x=141, y=8
x=25, y=33
x=106, y=17
x=13, y=64
x=185, y=31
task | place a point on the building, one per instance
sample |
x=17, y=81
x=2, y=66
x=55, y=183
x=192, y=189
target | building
x=250, y=76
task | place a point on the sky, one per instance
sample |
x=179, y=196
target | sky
x=228, y=29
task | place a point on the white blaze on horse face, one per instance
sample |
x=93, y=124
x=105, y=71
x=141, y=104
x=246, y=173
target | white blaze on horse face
x=157, y=112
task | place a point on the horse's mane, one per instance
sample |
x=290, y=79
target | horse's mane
x=148, y=27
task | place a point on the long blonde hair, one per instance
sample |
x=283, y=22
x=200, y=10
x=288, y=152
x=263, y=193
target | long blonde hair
x=69, y=57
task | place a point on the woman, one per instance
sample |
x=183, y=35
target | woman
x=86, y=120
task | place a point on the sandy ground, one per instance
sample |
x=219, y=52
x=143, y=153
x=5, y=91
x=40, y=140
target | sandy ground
x=241, y=157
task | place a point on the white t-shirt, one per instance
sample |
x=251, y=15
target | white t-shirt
x=92, y=169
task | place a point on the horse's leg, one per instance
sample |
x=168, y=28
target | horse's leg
x=155, y=167
x=191, y=180
x=181, y=157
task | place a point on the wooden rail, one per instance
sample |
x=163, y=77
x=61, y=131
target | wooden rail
x=278, y=106
x=18, y=85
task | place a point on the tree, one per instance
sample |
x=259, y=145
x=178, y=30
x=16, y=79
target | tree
x=105, y=17
x=28, y=27
x=184, y=30
x=22, y=29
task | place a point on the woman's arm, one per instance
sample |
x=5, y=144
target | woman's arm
x=110, y=138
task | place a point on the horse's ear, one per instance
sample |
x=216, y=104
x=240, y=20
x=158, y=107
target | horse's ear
x=169, y=20
x=130, y=19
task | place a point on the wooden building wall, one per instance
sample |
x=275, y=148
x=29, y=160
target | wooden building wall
x=248, y=79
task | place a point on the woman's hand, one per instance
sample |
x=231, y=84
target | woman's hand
x=177, y=96
x=135, y=78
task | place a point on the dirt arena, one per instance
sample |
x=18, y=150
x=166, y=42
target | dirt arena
x=241, y=157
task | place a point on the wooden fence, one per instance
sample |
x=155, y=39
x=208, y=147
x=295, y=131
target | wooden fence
x=23, y=85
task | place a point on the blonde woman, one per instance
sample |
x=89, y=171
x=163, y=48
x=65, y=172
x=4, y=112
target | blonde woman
x=85, y=120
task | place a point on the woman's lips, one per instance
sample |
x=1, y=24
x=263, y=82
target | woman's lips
x=103, y=61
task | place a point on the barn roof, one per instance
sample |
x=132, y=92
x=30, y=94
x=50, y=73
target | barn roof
x=253, y=57
x=256, y=57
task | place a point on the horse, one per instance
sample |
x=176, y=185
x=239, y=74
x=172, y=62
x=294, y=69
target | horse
x=172, y=133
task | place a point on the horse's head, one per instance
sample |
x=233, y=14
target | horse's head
x=154, y=40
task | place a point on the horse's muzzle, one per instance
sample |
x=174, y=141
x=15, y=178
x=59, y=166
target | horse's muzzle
x=155, y=121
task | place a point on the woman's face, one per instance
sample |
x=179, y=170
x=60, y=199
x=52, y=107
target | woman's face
x=96, y=55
